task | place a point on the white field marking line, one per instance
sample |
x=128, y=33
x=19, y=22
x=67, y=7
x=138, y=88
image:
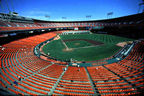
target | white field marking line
x=87, y=46
x=84, y=47
x=64, y=43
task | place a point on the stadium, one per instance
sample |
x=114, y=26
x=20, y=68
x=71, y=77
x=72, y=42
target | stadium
x=82, y=57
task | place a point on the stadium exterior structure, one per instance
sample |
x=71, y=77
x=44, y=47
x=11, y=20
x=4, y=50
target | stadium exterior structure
x=23, y=73
x=130, y=26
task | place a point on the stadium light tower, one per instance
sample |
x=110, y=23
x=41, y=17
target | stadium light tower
x=64, y=18
x=140, y=5
x=9, y=6
x=109, y=15
x=88, y=16
x=1, y=6
x=13, y=9
x=47, y=16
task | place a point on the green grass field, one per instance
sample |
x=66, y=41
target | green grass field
x=77, y=44
x=56, y=48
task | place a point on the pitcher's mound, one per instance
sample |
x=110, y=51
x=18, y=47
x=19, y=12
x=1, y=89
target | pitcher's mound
x=77, y=43
x=68, y=49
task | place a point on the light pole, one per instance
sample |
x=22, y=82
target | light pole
x=88, y=16
x=64, y=18
x=47, y=16
x=109, y=15
x=140, y=4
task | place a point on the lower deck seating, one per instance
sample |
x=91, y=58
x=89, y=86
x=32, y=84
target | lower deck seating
x=100, y=74
x=21, y=72
x=53, y=71
x=74, y=87
x=75, y=74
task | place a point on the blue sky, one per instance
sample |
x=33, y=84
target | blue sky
x=71, y=9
